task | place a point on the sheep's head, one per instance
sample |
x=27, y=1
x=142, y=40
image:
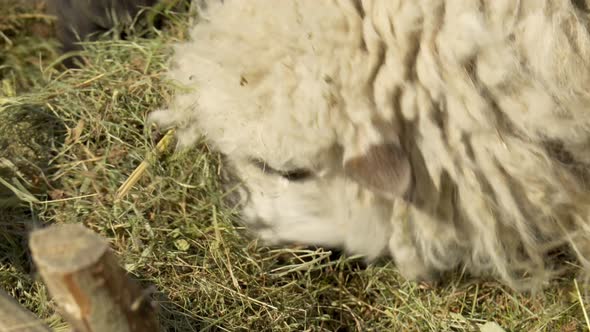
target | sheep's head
x=294, y=115
x=306, y=174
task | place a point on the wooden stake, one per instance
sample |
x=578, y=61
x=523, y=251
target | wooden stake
x=93, y=292
x=15, y=318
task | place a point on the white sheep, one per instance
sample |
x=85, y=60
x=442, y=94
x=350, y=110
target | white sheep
x=444, y=133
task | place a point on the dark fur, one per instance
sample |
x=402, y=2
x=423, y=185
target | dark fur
x=84, y=19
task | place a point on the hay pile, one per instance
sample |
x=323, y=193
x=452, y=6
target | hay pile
x=70, y=139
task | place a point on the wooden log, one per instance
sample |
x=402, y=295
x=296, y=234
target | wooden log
x=93, y=293
x=15, y=318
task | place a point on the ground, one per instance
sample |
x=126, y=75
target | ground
x=70, y=138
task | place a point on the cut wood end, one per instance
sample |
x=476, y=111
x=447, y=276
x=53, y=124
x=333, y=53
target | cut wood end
x=14, y=317
x=66, y=248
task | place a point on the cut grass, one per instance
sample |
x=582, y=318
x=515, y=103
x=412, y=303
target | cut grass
x=81, y=133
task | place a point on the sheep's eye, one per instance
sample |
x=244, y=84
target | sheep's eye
x=296, y=175
x=291, y=175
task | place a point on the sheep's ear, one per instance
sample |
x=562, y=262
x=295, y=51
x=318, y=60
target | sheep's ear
x=384, y=169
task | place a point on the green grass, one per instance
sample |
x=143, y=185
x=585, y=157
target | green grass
x=69, y=139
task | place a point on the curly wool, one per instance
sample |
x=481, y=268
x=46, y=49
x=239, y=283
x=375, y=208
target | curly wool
x=487, y=98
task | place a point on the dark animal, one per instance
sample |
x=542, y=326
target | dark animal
x=86, y=19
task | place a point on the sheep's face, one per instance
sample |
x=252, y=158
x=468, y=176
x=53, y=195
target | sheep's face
x=306, y=206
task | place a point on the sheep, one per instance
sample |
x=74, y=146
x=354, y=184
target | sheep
x=443, y=134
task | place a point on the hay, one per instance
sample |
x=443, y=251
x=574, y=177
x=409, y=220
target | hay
x=81, y=134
